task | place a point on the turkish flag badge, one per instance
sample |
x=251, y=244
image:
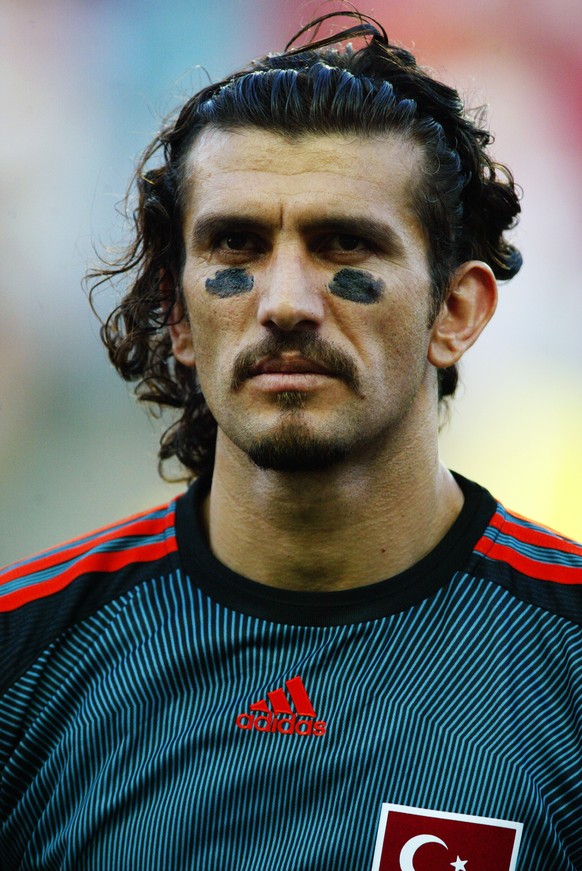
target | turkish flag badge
x=414, y=839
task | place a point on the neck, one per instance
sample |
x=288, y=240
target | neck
x=346, y=527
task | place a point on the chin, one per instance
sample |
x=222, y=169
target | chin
x=296, y=450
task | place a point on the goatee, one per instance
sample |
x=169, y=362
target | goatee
x=294, y=448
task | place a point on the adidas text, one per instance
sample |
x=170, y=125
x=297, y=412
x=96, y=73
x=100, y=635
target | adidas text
x=291, y=725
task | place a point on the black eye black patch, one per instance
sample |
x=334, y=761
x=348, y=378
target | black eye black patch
x=230, y=282
x=357, y=285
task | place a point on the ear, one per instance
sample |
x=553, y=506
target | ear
x=178, y=323
x=466, y=311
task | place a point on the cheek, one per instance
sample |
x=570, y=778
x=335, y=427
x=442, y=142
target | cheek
x=217, y=307
x=391, y=339
x=216, y=328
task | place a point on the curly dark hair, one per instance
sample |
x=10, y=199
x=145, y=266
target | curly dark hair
x=464, y=200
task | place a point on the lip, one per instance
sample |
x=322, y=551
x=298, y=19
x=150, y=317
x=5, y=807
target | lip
x=288, y=365
x=288, y=372
x=283, y=382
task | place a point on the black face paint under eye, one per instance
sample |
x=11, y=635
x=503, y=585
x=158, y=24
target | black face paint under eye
x=230, y=282
x=357, y=285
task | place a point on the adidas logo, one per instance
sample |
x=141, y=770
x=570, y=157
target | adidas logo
x=280, y=717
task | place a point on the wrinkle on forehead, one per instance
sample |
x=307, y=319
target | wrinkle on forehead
x=214, y=142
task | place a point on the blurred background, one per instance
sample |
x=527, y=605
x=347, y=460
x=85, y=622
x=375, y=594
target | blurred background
x=84, y=85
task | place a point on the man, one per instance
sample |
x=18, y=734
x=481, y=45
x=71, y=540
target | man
x=331, y=652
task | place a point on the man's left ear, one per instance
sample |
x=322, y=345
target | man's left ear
x=466, y=311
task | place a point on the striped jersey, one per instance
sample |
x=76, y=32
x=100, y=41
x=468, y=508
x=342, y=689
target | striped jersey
x=159, y=711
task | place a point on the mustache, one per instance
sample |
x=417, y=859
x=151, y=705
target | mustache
x=310, y=346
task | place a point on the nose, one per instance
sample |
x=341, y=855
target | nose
x=291, y=298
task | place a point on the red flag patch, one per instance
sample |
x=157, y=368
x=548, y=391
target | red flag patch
x=414, y=839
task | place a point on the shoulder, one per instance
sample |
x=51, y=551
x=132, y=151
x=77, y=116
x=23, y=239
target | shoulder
x=532, y=561
x=142, y=538
x=46, y=594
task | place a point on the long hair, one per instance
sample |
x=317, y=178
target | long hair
x=464, y=200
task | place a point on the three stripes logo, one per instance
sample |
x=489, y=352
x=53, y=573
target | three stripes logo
x=280, y=717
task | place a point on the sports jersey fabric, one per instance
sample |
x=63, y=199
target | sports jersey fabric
x=158, y=711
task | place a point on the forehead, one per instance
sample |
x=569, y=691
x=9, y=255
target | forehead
x=253, y=169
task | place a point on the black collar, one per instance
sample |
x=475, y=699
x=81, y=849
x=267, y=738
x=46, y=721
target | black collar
x=357, y=605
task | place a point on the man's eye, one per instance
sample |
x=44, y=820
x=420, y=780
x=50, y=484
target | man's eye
x=235, y=242
x=345, y=242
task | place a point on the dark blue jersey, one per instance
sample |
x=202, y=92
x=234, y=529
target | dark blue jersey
x=158, y=711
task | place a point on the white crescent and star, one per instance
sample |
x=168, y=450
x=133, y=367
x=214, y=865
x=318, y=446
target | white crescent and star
x=408, y=852
x=409, y=849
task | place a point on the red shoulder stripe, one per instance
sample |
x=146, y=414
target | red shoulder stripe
x=139, y=525
x=527, y=566
x=536, y=535
x=110, y=561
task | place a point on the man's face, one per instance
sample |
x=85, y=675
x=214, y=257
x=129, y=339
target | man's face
x=307, y=292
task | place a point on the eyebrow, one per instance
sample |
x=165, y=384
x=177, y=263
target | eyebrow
x=209, y=226
x=381, y=234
